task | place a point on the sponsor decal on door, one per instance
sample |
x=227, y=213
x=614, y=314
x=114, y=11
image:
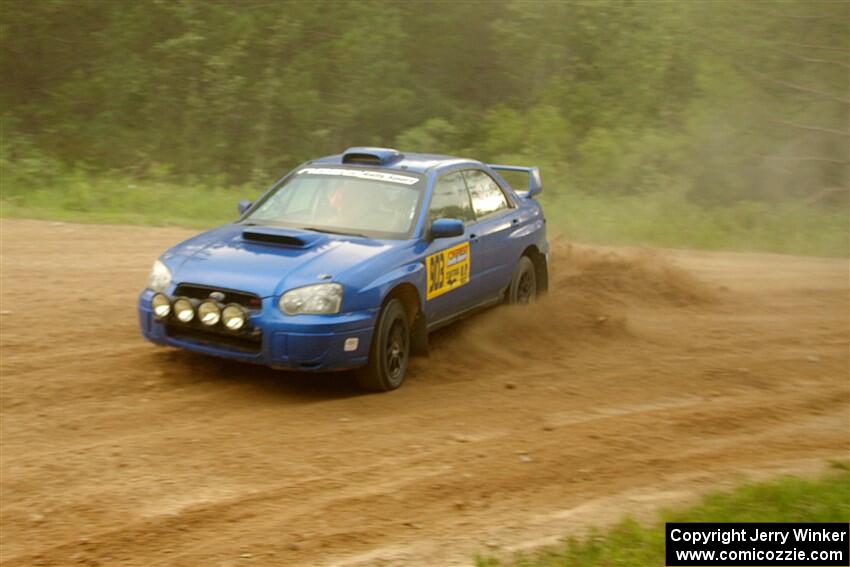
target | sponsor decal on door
x=447, y=270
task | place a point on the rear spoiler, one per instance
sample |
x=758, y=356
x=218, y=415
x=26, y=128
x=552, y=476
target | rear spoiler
x=535, y=186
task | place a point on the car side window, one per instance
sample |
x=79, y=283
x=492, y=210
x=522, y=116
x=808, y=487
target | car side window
x=487, y=197
x=450, y=199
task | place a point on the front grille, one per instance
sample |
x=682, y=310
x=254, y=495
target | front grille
x=251, y=343
x=245, y=299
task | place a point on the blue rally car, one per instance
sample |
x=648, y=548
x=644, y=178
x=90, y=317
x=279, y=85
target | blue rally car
x=349, y=261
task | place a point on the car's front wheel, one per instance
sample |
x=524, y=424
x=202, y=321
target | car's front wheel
x=523, y=288
x=390, y=351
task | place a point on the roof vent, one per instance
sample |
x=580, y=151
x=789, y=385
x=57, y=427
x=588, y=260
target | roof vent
x=371, y=156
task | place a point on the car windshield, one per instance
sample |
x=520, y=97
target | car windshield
x=361, y=202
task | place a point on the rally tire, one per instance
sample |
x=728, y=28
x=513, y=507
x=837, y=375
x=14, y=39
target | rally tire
x=419, y=336
x=390, y=351
x=523, y=288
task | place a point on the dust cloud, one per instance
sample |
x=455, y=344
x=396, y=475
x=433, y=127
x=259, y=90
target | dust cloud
x=590, y=293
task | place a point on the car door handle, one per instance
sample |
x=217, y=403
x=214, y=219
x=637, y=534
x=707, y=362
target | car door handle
x=514, y=221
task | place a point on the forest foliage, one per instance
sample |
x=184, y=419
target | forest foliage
x=708, y=105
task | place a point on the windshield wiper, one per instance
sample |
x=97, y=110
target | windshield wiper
x=326, y=231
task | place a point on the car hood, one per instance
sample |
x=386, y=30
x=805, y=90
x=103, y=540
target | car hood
x=268, y=260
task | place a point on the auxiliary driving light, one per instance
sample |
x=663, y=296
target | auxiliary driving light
x=209, y=313
x=233, y=317
x=184, y=310
x=161, y=306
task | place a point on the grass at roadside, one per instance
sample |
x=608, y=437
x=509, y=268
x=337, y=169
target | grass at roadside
x=658, y=219
x=125, y=201
x=669, y=221
x=630, y=544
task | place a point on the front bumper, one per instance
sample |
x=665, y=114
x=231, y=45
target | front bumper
x=301, y=342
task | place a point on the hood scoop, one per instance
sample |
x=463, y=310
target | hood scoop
x=280, y=237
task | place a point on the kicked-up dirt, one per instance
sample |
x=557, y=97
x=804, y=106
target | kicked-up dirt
x=641, y=380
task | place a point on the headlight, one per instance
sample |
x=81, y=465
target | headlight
x=160, y=277
x=233, y=317
x=161, y=306
x=209, y=313
x=184, y=310
x=312, y=299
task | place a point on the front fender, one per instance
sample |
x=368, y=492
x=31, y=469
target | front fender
x=412, y=273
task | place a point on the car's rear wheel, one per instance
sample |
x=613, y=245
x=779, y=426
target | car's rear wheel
x=390, y=350
x=523, y=288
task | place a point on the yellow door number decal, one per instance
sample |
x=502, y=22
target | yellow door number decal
x=447, y=270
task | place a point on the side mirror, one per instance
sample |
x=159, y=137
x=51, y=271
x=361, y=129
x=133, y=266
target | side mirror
x=243, y=205
x=446, y=228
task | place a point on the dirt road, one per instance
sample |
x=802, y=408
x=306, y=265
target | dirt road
x=641, y=380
